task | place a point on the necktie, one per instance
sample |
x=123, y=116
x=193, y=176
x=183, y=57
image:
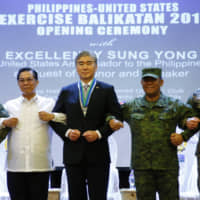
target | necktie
x=85, y=89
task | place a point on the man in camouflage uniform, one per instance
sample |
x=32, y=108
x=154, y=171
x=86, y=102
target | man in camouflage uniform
x=194, y=101
x=153, y=120
x=3, y=131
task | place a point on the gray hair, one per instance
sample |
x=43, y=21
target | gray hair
x=86, y=53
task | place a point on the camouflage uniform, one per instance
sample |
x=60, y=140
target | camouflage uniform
x=3, y=131
x=197, y=114
x=154, y=158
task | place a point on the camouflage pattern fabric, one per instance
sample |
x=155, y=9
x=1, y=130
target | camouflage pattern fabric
x=151, y=126
x=4, y=131
x=166, y=183
x=154, y=159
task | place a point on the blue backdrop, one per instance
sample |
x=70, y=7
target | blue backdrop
x=125, y=35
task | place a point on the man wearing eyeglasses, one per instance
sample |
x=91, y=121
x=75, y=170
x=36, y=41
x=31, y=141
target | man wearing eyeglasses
x=86, y=151
x=29, y=152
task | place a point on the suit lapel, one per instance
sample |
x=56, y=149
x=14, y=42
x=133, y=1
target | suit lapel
x=77, y=98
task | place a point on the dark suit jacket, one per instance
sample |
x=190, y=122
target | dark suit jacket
x=103, y=101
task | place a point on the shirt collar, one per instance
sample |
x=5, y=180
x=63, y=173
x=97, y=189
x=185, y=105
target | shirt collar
x=34, y=99
x=89, y=83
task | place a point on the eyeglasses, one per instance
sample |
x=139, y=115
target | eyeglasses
x=23, y=80
x=88, y=63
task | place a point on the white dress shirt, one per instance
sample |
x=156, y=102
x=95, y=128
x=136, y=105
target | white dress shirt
x=29, y=143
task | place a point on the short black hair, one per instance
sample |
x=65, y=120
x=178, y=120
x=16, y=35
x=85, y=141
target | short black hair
x=35, y=75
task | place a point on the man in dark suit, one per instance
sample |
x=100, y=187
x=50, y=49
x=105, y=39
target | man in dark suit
x=86, y=152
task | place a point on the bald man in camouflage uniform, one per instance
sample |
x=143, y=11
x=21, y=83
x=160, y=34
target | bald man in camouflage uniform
x=152, y=119
x=3, y=131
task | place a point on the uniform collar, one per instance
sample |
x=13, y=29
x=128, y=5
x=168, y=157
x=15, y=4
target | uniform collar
x=159, y=103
